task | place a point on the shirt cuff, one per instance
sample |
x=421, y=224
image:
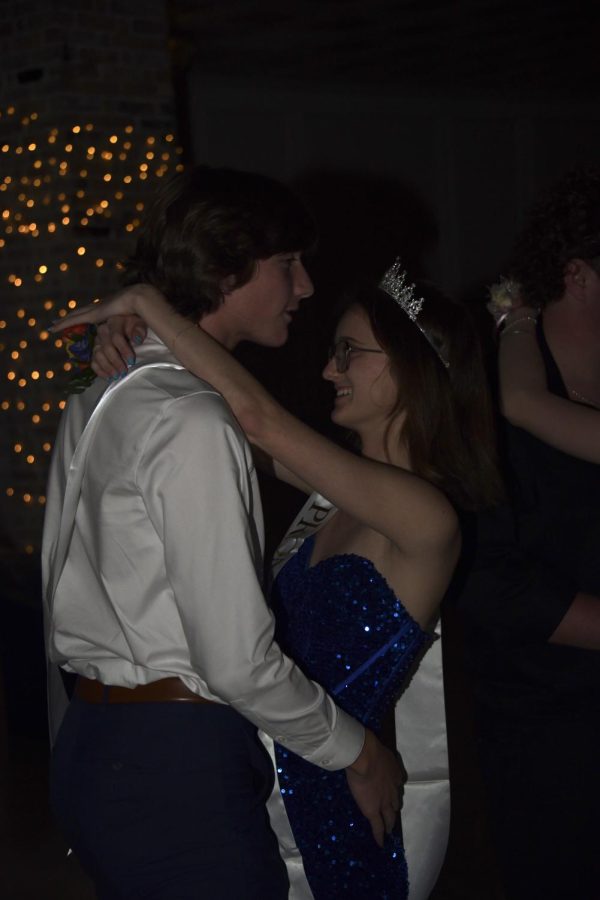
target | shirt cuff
x=343, y=746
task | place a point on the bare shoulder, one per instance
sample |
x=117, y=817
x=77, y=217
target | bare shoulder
x=422, y=519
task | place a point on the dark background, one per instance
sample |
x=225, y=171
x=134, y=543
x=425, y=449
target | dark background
x=416, y=128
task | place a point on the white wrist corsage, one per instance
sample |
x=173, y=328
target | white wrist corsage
x=504, y=296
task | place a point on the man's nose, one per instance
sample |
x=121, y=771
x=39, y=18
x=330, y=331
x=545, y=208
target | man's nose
x=303, y=286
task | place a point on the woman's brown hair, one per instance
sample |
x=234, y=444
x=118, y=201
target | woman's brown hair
x=449, y=425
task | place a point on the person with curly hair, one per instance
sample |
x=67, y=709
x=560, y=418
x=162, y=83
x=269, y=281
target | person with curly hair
x=556, y=269
x=533, y=608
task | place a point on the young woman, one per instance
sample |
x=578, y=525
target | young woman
x=355, y=604
x=539, y=683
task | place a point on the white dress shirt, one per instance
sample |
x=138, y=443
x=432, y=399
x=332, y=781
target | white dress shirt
x=159, y=572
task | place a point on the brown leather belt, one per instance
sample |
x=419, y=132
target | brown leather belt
x=165, y=690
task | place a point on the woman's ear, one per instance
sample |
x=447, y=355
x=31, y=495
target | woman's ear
x=227, y=285
x=575, y=277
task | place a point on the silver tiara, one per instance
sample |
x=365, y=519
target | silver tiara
x=395, y=285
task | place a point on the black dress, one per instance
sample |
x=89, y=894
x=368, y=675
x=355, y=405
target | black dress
x=538, y=703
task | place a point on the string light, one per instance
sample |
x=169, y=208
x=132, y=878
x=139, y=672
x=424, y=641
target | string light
x=69, y=210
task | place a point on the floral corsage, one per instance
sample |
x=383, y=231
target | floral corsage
x=78, y=342
x=505, y=296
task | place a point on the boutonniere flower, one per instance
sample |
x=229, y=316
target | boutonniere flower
x=78, y=342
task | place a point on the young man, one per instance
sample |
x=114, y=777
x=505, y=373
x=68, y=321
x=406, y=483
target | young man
x=152, y=559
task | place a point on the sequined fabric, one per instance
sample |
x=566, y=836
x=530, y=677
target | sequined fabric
x=344, y=626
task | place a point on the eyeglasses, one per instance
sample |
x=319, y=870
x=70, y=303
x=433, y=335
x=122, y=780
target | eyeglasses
x=341, y=351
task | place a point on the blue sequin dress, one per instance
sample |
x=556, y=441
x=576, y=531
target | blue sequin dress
x=344, y=626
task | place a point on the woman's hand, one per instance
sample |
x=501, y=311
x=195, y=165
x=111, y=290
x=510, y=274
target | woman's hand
x=120, y=328
x=114, y=347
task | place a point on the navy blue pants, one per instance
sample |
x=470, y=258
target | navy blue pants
x=166, y=801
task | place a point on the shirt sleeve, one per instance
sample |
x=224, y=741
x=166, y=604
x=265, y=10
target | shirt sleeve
x=194, y=474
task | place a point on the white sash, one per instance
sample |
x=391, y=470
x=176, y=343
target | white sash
x=421, y=740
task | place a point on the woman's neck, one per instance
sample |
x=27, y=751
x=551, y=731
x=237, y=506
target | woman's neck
x=390, y=449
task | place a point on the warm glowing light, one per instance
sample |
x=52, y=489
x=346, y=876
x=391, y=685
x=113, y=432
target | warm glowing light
x=18, y=448
x=65, y=207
